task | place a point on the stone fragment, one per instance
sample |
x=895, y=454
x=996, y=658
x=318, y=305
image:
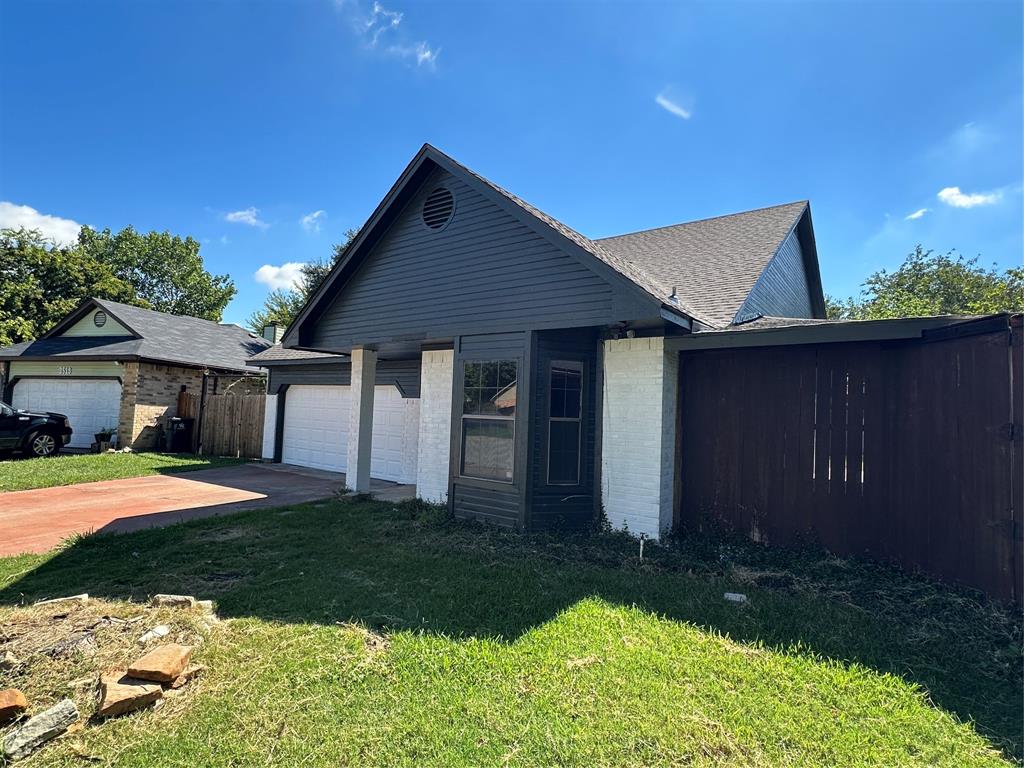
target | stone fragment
x=205, y=605
x=12, y=704
x=8, y=660
x=155, y=633
x=38, y=730
x=735, y=597
x=162, y=664
x=172, y=601
x=82, y=598
x=120, y=693
x=187, y=675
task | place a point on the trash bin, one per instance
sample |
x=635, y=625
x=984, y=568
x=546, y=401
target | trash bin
x=179, y=434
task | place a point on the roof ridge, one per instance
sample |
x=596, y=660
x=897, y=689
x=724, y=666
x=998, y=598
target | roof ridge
x=707, y=218
x=216, y=323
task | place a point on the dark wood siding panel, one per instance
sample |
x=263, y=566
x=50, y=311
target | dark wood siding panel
x=782, y=290
x=498, y=506
x=484, y=271
x=563, y=506
x=405, y=374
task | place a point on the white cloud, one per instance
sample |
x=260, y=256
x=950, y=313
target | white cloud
x=311, y=221
x=249, y=216
x=672, y=107
x=954, y=197
x=60, y=231
x=284, y=276
x=916, y=214
x=421, y=52
x=381, y=29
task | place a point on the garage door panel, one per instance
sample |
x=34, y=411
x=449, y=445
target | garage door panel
x=316, y=431
x=89, y=404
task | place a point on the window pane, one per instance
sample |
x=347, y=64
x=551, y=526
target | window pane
x=564, y=453
x=487, y=448
x=489, y=388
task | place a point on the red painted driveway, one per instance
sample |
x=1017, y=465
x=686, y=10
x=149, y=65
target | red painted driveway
x=37, y=521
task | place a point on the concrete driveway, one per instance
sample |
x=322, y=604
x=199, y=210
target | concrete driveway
x=37, y=521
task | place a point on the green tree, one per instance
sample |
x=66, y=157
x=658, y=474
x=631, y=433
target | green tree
x=165, y=271
x=933, y=284
x=40, y=282
x=282, y=306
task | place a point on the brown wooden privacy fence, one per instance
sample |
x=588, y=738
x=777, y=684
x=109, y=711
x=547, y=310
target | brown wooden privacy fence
x=230, y=425
x=900, y=451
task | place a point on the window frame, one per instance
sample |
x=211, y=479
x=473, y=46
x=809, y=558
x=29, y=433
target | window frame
x=581, y=367
x=463, y=416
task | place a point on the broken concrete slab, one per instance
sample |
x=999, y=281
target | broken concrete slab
x=120, y=693
x=82, y=598
x=155, y=633
x=38, y=730
x=162, y=664
x=172, y=601
x=12, y=704
x=205, y=605
x=82, y=642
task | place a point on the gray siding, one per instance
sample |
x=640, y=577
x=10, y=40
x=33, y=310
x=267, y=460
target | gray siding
x=484, y=272
x=405, y=374
x=782, y=290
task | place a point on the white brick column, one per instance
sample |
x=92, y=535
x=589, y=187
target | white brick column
x=638, y=434
x=436, y=371
x=360, y=420
x=269, y=427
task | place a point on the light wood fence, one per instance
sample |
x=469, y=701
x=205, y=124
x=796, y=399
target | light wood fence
x=230, y=425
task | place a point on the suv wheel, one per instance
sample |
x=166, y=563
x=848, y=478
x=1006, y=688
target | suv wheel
x=42, y=444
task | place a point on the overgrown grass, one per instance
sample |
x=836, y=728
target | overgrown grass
x=502, y=648
x=24, y=474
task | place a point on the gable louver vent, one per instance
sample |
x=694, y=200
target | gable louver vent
x=438, y=208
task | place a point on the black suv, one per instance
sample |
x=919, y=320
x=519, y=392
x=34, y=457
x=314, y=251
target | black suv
x=35, y=433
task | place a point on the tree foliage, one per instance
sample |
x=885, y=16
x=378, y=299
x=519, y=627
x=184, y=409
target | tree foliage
x=928, y=283
x=283, y=305
x=165, y=270
x=41, y=282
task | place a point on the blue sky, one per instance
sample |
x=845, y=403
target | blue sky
x=236, y=121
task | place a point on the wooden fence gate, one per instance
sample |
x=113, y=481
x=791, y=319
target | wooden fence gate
x=901, y=451
x=230, y=424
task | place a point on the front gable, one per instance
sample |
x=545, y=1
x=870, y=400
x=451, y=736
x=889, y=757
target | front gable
x=481, y=271
x=95, y=322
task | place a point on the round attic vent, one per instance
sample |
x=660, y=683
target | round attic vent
x=438, y=208
x=99, y=319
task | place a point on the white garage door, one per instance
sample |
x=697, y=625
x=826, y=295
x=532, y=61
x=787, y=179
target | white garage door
x=316, y=431
x=89, y=404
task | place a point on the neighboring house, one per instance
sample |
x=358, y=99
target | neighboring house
x=510, y=366
x=108, y=365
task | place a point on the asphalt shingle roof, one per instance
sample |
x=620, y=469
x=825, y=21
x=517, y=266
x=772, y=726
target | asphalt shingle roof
x=713, y=263
x=277, y=354
x=164, y=337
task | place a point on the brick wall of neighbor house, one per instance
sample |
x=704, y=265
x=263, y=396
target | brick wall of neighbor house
x=149, y=395
x=638, y=435
x=435, y=424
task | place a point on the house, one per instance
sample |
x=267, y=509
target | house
x=508, y=365
x=108, y=365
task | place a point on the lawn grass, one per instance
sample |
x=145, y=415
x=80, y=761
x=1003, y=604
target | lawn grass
x=366, y=633
x=24, y=474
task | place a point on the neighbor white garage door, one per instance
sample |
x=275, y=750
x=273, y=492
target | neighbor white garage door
x=89, y=404
x=316, y=430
